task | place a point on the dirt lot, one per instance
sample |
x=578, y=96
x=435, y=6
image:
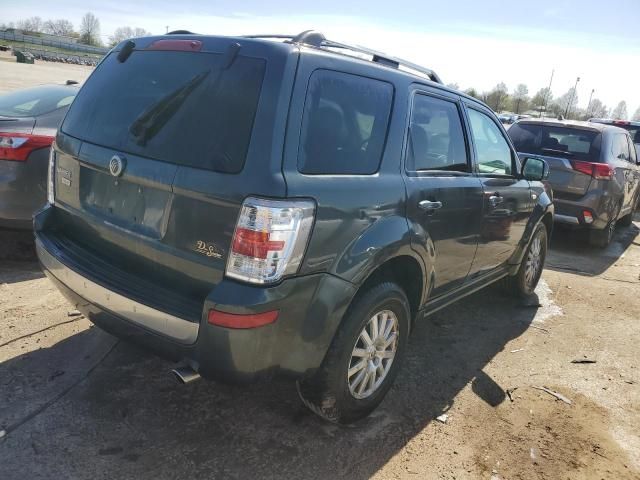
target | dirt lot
x=77, y=403
x=19, y=75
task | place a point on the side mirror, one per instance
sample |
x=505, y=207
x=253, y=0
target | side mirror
x=535, y=169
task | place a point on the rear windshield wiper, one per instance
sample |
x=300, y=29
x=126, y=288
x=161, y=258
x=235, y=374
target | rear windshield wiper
x=151, y=121
x=558, y=152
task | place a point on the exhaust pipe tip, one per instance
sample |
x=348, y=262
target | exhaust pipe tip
x=185, y=374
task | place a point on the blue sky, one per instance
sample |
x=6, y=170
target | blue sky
x=470, y=42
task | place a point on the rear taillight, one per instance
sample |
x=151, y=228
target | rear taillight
x=51, y=187
x=599, y=171
x=269, y=239
x=18, y=146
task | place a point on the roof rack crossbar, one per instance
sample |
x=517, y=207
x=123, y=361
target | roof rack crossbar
x=316, y=39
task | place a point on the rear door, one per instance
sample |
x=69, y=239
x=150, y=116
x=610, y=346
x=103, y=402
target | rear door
x=157, y=154
x=507, y=202
x=569, y=151
x=444, y=197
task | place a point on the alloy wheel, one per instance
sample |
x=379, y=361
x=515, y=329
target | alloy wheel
x=373, y=354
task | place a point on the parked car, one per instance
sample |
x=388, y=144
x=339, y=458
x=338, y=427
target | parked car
x=510, y=118
x=594, y=172
x=247, y=207
x=632, y=127
x=29, y=119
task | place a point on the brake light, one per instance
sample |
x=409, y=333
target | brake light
x=588, y=218
x=621, y=122
x=51, y=187
x=269, y=239
x=599, y=171
x=602, y=171
x=234, y=320
x=176, y=45
x=18, y=146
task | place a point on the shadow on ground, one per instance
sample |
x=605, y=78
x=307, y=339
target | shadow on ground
x=17, y=245
x=570, y=250
x=128, y=419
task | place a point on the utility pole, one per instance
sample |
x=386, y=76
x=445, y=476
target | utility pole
x=546, y=97
x=589, y=105
x=167, y=27
x=573, y=94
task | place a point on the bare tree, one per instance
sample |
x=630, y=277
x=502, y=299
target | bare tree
x=520, y=97
x=497, y=97
x=122, y=33
x=566, y=103
x=58, y=27
x=90, y=29
x=32, y=24
x=597, y=109
x=453, y=86
x=620, y=112
x=636, y=116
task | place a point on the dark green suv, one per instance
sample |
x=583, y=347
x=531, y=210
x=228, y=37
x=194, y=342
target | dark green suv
x=251, y=206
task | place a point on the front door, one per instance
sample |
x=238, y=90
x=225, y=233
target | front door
x=507, y=202
x=444, y=196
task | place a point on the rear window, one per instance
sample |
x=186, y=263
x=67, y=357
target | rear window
x=344, y=124
x=33, y=102
x=634, y=131
x=556, y=141
x=177, y=107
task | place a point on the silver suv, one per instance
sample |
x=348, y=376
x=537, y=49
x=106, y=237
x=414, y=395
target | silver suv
x=595, y=172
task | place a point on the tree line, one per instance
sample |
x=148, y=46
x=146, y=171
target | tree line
x=519, y=101
x=88, y=31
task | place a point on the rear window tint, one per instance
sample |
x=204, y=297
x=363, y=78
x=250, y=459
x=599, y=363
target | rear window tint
x=556, y=141
x=32, y=102
x=177, y=107
x=344, y=125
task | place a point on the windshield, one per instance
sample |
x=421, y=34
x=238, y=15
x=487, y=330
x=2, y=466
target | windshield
x=556, y=141
x=179, y=107
x=36, y=101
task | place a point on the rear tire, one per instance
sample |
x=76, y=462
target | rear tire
x=524, y=283
x=333, y=392
x=602, y=238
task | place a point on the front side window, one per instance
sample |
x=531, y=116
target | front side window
x=344, y=125
x=492, y=150
x=436, y=138
x=620, y=147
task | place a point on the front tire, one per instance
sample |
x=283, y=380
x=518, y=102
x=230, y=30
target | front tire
x=524, y=283
x=363, y=359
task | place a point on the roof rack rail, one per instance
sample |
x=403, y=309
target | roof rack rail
x=316, y=39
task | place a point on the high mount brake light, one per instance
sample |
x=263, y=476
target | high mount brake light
x=18, y=146
x=599, y=171
x=269, y=239
x=176, y=45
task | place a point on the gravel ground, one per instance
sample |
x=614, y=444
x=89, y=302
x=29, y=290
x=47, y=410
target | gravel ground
x=20, y=75
x=76, y=403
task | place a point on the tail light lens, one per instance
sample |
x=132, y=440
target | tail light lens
x=18, y=146
x=599, y=171
x=51, y=187
x=269, y=239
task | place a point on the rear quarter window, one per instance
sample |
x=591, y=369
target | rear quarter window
x=179, y=107
x=344, y=124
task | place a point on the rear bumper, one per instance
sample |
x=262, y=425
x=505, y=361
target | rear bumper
x=571, y=213
x=23, y=189
x=310, y=310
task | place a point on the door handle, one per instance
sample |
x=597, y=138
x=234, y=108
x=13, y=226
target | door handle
x=495, y=200
x=429, y=205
